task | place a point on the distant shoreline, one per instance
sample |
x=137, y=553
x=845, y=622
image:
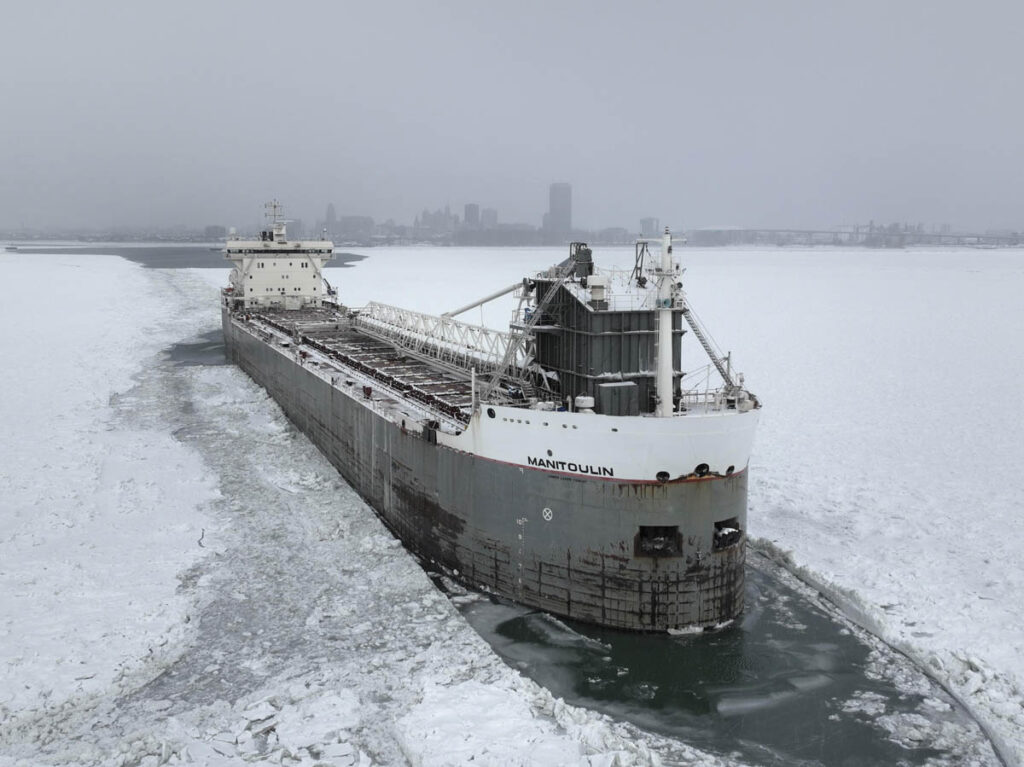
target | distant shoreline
x=164, y=256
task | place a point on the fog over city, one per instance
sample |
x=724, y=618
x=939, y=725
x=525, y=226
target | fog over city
x=788, y=114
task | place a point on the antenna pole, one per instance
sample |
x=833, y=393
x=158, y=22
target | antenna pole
x=666, y=295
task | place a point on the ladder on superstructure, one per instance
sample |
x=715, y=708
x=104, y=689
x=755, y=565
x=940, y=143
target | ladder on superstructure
x=716, y=360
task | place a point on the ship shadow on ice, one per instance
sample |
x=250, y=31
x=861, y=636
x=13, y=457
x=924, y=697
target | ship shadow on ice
x=790, y=682
x=206, y=349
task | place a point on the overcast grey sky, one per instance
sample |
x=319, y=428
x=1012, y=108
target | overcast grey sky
x=791, y=114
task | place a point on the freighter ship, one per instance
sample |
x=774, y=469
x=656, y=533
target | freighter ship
x=566, y=464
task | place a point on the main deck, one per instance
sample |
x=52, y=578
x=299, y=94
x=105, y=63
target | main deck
x=325, y=338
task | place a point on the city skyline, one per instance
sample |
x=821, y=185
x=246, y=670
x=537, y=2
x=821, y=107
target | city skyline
x=480, y=226
x=487, y=218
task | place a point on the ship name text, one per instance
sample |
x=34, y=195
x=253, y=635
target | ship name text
x=571, y=466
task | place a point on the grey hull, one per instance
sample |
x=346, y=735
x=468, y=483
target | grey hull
x=568, y=545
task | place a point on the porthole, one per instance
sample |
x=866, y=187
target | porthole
x=730, y=470
x=490, y=412
x=550, y=454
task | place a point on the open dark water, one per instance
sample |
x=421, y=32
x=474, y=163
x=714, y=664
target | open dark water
x=790, y=683
x=207, y=350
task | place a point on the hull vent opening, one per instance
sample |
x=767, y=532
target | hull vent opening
x=658, y=541
x=727, y=533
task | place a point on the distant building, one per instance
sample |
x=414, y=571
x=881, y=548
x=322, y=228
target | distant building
x=499, y=235
x=331, y=220
x=558, y=221
x=649, y=227
x=215, y=232
x=615, y=235
x=354, y=228
x=489, y=218
x=440, y=221
x=471, y=217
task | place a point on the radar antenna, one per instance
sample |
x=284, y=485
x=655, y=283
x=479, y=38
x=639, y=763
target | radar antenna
x=274, y=210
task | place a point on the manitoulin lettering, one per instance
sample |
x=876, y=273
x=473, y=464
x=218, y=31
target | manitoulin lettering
x=576, y=468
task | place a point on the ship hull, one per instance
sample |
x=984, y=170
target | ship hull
x=571, y=545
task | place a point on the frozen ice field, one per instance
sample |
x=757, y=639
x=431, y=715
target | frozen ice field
x=135, y=492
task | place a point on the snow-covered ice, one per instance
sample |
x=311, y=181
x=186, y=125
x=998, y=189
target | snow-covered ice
x=99, y=512
x=299, y=632
x=885, y=472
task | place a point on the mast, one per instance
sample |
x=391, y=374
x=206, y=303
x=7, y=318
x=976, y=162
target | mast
x=277, y=230
x=666, y=298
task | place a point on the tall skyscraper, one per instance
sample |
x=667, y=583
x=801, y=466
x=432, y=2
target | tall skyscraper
x=649, y=227
x=559, y=218
x=331, y=220
x=472, y=215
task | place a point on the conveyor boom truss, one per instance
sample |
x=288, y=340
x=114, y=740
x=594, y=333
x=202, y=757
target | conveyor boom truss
x=453, y=343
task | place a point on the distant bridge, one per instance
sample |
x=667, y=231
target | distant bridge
x=866, y=236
